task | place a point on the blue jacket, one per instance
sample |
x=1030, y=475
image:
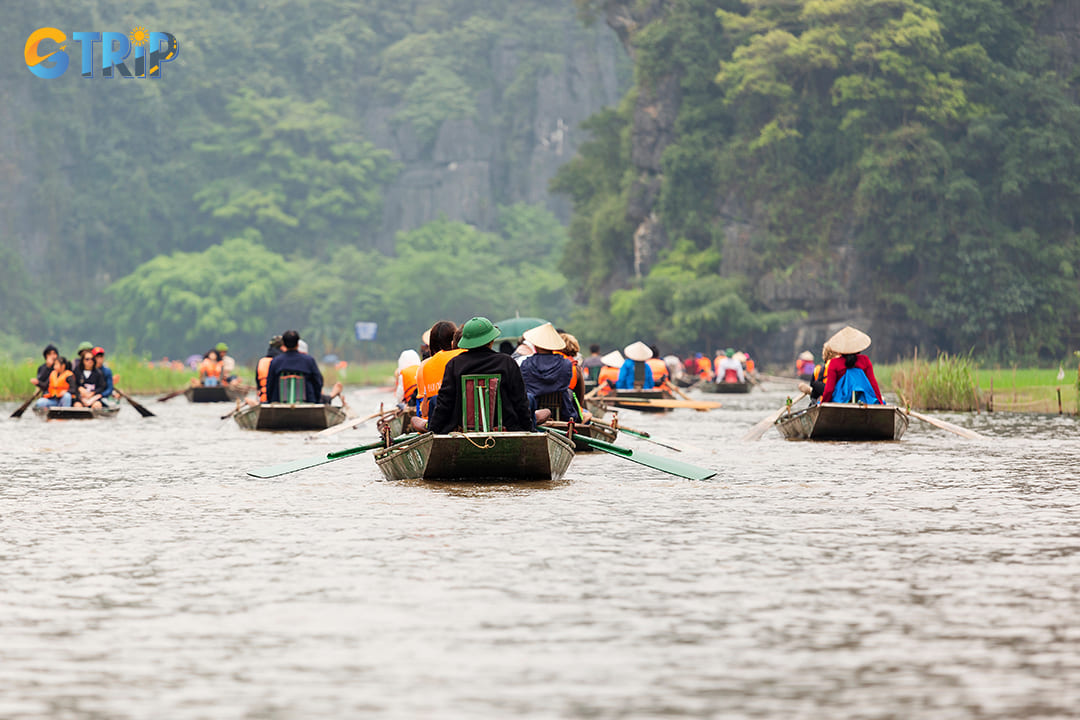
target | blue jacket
x=294, y=362
x=107, y=372
x=550, y=373
x=626, y=376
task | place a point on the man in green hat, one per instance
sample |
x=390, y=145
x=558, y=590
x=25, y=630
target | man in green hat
x=477, y=336
x=728, y=369
x=228, y=364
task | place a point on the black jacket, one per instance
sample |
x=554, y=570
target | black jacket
x=294, y=362
x=95, y=382
x=482, y=361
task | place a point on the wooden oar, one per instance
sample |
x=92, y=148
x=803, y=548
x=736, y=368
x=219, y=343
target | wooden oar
x=239, y=404
x=663, y=464
x=340, y=427
x=662, y=403
x=962, y=432
x=297, y=465
x=636, y=433
x=138, y=408
x=760, y=429
x=22, y=408
x=171, y=395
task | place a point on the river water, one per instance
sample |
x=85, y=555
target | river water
x=144, y=575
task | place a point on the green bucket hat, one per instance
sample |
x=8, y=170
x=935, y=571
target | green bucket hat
x=477, y=332
x=730, y=352
x=221, y=347
x=84, y=345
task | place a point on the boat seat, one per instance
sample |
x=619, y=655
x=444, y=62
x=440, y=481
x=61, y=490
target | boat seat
x=553, y=402
x=291, y=389
x=481, y=409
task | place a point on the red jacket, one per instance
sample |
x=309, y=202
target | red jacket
x=836, y=369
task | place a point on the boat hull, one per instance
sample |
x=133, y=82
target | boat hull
x=844, y=421
x=726, y=387
x=598, y=405
x=477, y=457
x=285, y=417
x=219, y=393
x=76, y=413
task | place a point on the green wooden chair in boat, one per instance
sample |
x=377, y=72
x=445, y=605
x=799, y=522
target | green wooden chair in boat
x=481, y=410
x=291, y=389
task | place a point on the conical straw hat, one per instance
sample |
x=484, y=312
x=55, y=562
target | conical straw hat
x=613, y=359
x=426, y=337
x=545, y=337
x=806, y=355
x=849, y=341
x=639, y=351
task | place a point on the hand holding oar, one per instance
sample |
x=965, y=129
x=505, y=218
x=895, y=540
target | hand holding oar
x=962, y=432
x=758, y=430
x=22, y=408
x=297, y=465
x=663, y=464
x=138, y=408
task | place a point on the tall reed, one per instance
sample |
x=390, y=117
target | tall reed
x=947, y=383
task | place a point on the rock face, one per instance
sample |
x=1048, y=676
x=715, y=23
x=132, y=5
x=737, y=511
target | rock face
x=511, y=147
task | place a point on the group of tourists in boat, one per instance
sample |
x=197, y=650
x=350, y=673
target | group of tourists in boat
x=86, y=381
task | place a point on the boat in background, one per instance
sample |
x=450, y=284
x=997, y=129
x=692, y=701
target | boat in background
x=76, y=413
x=844, y=421
x=477, y=457
x=726, y=387
x=286, y=416
x=640, y=400
x=217, y=393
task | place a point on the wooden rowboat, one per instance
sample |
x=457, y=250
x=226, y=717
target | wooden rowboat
x=589, y=430
x=76, y=413
x=283, y=416
x=844, y=421
x=218, y=393
x=726, y=387
x=636, y=400
x=477, y=457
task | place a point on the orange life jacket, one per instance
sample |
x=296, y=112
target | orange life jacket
x=408, y=383
x=705, y=368
x=659, y=372
x=429, y=376
x=210, y=368
x=59, y=383
x=606, y=379
x=262, y=373
x=575, y=374
x=750, y=365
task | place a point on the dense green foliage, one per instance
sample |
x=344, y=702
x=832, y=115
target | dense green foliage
x=261, y=130
x=937, y=137
x=443, y=270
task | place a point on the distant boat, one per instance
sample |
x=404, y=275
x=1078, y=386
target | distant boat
x=640, y=400
x=76, y=413
x=726, y=387
x=283, y=416
x=217, y=393
x=844, y=421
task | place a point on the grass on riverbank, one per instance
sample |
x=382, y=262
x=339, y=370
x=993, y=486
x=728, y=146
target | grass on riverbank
x=956, y=383
x=137, y=377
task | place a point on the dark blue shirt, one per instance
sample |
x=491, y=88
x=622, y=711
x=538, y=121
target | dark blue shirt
x=294, y=362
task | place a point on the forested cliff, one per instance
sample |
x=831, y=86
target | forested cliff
x=305, y=137
x=781, y=168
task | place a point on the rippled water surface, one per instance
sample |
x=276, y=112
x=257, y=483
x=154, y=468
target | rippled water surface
x=144, y=575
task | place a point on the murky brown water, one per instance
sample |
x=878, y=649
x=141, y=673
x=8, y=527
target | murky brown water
x=143, y=575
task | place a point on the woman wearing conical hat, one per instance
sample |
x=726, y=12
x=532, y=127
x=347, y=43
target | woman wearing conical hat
x=850, y=376
x=635, y=373
x=804, y=365
x=609, y=374
x=548, y=371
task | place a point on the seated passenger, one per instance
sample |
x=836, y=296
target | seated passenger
x=548, y=371
x=106, y=372
x=88, y=383
x=659, y=369
x=405, y=378
x=705, y=370
x=804, y=365
x=228, y=364
x=729, y=369
x=609, y=374
x=635, y=373
x=429, y=376
x=210, y=370
x=262, y=369
x=58, y=387
x=41, y=379
x=850, y=377
x=294, y=362
x=478, y=358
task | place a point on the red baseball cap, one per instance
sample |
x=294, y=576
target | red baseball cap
x=98, y=351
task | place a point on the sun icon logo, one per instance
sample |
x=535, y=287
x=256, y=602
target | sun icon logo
x=139, y=36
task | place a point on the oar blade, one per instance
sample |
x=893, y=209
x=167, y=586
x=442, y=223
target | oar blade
x=289, y=467
x=656, y=462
